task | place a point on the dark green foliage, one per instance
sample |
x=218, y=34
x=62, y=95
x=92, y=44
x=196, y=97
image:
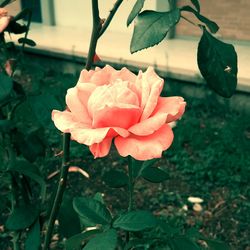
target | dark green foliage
x=154, y=174
x=32, y=241
x=27, y=41
x=151, y=27
x=91, y=211
x=75, y=242
x=217, y=62
x=6, y=85
x=6, y=126
x=69, y=223
x=42, y=105
x=29, y=144
x=212, y=26
x=22, y=14
x=135, y=221
x=196, y=4
x=135, y=11
x=115, y=179
x=216, y=245
x=22, y=217
x=5, y=2
x=30, y=170
x=16, y=28
x=104, y=240
x=180, y=243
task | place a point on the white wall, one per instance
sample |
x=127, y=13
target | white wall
x=77, y=13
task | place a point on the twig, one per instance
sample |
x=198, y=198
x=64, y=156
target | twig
x=95, y=34
x=190, y=21
x=60, y=190
x=111, y=15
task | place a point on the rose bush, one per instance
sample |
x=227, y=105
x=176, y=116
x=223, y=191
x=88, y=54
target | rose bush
x=108, y=104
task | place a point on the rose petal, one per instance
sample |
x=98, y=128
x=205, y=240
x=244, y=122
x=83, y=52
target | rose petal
x=3, y=12
x=152, y=86
x=84, y=91
x=174, y=106
x=149, y=126
x=103, y=76
x=90, y=136
x=168, y=109
x=85, y=75
x=64, y=120
x=125, y=75
x=145, y=147
x=101, y=149
x=76, y=107
x=4, y=22
x=116, y=117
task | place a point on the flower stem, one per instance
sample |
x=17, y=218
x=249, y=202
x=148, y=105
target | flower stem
x=111, y=15
x=97, y=27
x=130, y=190
x=95, y=34
x=130, y=184
x=60, y=190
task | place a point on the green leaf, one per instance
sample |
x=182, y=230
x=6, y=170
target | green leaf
x=91, y=211
x=180, y=243
x=34, y=147
x=135, y=221
x=22, y=14
x=6, y=126
x=137, y=243
x=75, y=242
x=196, y=5
x=16, y=28
x=69, y=223
x=18, y=88
x=42, y=107
x=32, y=241
x=22, y=217
x=31, y=171
x=217, y=245
x=6, y=86
x=115, y=179
x=151, y=27
x=154, y=174
x=106, y=240
x=139, y=166
x=26, y=41
x=5, y=2
x=135, y=11
x=168, y=229
x=213, y=27
x=217, y=62
x=99, y=197
x=136, y=167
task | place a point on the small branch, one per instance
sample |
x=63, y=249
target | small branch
x=110, y=17
x=60, y=190
x=131, y=183
x=130, y=190
x=97, y=30
x=95, y=34
x=190, y=21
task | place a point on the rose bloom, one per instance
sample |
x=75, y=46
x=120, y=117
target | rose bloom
x=4, y=19
x=116, y=105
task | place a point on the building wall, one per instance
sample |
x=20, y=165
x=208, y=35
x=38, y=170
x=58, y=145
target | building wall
x=232, y=17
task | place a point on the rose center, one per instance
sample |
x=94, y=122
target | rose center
x=114, y=105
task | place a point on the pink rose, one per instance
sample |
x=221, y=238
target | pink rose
x=108, y=104
x=4, y=19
